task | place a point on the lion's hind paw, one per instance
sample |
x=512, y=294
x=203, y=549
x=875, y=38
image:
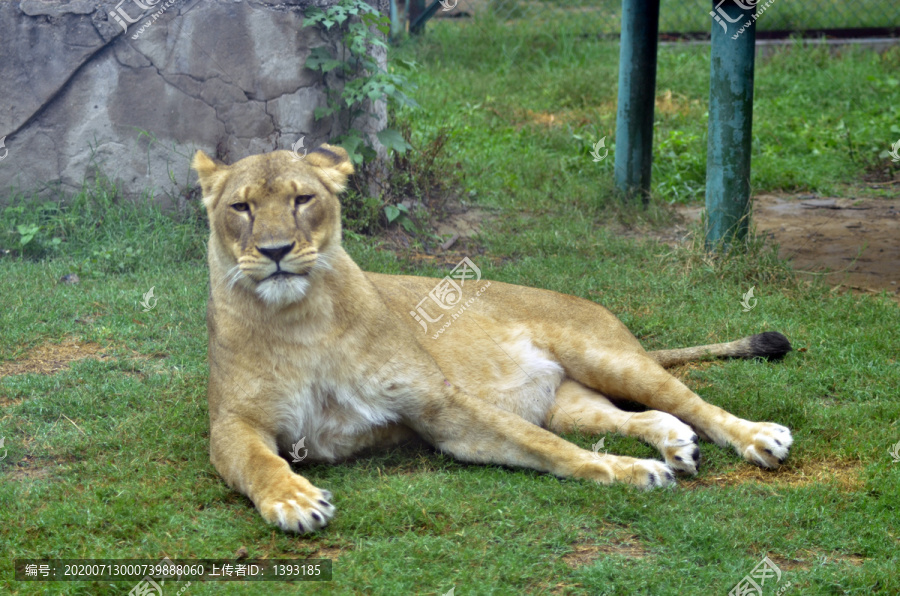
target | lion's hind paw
x=768, y=446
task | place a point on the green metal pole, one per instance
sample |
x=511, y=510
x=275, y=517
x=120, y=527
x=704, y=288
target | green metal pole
x=637, y=94
x=416, y=10
x=730, y=123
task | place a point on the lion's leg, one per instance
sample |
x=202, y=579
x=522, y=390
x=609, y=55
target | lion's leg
x=636, y=376
x=248, y=460
x=579, y=408
x=475, y=431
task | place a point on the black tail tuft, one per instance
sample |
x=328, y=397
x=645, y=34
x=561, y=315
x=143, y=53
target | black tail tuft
x=770, y=344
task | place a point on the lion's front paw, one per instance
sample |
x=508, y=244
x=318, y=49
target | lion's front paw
x=645, y=473
x=295, y=505
x=765, y=444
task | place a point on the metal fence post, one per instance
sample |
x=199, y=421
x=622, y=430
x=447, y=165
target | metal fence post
x=637, y=95
x=730, y=123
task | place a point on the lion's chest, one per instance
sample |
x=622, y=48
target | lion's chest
x=333, y=415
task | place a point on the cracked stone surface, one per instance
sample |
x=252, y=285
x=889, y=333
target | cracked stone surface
x=82, y=95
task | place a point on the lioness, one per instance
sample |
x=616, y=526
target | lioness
x=306, y=349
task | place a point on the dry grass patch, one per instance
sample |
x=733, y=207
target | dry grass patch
x=329, y=552
x=666, y=103
x=683, y=371
x=807, y=559
x=50, y=358
x=8, y=402
x=669, y=103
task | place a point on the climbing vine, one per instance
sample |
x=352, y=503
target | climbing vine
x=364, y=80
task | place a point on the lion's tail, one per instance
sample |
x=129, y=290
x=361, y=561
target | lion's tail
x=770, y=344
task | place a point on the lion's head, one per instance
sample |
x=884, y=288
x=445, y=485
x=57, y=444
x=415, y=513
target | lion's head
x=274, y=218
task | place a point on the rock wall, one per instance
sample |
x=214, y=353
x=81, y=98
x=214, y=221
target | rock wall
x=132, y=89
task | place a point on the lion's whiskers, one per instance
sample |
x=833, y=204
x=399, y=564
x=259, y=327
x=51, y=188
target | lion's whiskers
x=233, y=276
x=324, y=261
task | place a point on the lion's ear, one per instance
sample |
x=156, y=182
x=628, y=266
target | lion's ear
x=210, y=174
x=332, y=165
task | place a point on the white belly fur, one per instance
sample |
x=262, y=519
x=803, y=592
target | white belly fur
x=335, y=421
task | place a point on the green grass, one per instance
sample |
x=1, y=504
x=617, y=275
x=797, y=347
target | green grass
x=687, y=16
x=108, y=458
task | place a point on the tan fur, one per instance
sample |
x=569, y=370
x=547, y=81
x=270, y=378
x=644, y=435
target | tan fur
x=340, y=358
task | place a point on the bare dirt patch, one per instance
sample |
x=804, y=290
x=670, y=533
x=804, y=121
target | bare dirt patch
x=31, y=467
x=581, y=555
x=29, y=474
x=463, y=221
x=851, y=243
x=807, y=559
x=49, y=358
x=586, y=550
x=624, y=548
x=272, y=549
x=450, y=228
x=845, y=473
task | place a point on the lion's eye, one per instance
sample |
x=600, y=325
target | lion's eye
x=302, y=199
x=240, y=207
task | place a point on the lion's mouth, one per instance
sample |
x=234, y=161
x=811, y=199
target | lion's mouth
x=285, y=275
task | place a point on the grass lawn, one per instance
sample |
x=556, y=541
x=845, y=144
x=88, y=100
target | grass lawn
x=104, y=405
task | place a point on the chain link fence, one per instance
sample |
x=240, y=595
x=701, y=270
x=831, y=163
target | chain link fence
x=686, y=17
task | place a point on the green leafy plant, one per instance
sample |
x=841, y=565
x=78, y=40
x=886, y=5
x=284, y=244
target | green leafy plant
x=27, y=232
x=31, y=231
x=364, y=80
x=401, y=215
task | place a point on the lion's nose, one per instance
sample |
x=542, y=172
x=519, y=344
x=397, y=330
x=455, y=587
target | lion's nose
x=276, y=253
